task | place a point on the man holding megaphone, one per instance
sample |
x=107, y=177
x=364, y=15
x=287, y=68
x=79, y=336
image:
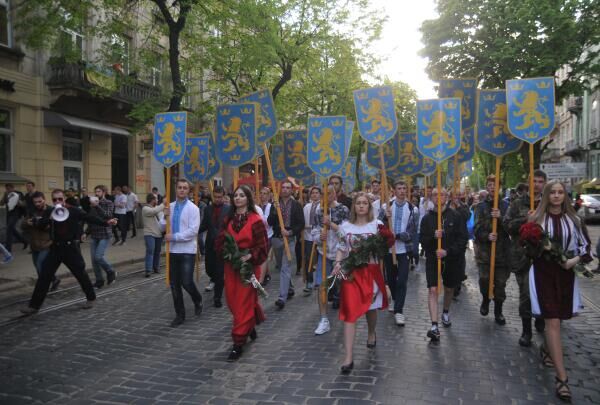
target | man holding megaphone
x=64, y=226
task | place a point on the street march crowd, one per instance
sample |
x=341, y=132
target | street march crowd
x=349, y=237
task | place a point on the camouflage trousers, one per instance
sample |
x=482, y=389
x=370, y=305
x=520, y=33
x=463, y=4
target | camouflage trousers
x=501, y=275
x=522, y=278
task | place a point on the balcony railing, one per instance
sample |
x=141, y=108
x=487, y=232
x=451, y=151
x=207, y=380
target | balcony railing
x=572, y=147
x=73, y=75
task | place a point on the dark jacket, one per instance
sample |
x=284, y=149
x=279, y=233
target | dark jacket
x=68, y=230
x=516, y=215
x=483, y=227
x=296, y=220
x=454, y=238
x=211, y=227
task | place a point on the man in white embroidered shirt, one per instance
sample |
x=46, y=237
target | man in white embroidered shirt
x=184, y=217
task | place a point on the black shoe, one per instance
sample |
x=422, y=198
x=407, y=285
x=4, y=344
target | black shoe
x=280, y=304
x=253, y=335
x=155, y=271
x=457, y=290
x=147, y=275
x=540, y=325
x=218, y=303
x=373, y=344
x=266, y=280
x=115, y=242
x=55, y=283
x=99, y=284
x=525, y=339
x=434, y=334
x=235, y=354
x=291, y=293
x=335, y=304
x=298, y=272
x=485, y=307
x=498, y=317
x=347, y=368
x=133, y=236
x=176, y=322
x=111, y=277
x=121, y=243
x=25, y=245
x=198, y=308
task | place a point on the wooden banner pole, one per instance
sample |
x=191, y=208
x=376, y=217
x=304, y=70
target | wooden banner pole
x=439, y=225
x=324, y=255
x=257, y=180
x=198, y=255
x=409, y=187
x=236, y=177
x=531, y=190
x=168, y=226
x=276, y=198
x=456, y=184
x=494, y=229
x=384, y=199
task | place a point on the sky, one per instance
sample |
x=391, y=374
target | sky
x=401, y=41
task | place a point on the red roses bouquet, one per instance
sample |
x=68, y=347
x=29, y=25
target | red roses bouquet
x=538, y=244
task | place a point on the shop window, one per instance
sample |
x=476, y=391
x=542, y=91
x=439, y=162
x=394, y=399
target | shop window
x=72, y=157
x=6, y=140
x=5, y=27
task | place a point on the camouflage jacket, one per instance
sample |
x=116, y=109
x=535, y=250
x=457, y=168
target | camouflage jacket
x=483, y=227
x=512, y=221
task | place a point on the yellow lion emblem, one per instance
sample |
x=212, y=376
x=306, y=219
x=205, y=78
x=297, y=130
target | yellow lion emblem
x=324, y=147
x=466, y=111
x=498, y=120
x=195, y=161
x=376, y=116
x=233, y=134
x=263, y=117
x=528, y=109
x=169, y=140
x=407, y=155
x=296, y=153
x=439, y=131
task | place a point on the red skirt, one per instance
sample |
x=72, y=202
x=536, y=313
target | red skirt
x=242, y=300
x=554, y=289
x=356, y=295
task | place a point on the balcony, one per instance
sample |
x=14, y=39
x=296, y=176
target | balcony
x=78, y=76
x=573, y=148
x=551, y=155
x=575, y=105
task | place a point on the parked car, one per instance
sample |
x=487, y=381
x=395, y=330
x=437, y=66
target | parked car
x=590, y=207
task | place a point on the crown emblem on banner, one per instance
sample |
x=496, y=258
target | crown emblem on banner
x=530, y=135
x=490, y=97
x=516, y=87
x=263, y=94
x=235, y=158
x=439, y=154
x=426, y=107
x=448, y=84
x=168, y=161
x=179, y=118
x=337, y=123
x=384, y=93
x=450, y=105
x=543, y=85
x=161, y=118
x=468, y=85
x=262, y=133
x=362, y=96
x=247, y=110
x=499, y=145
x=325, y=170
x=315, y=124
x=225, y=111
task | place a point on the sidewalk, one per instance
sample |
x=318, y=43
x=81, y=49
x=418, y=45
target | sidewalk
x=21, y=272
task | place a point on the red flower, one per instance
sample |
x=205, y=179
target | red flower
x=387, y=235
x=531, y=232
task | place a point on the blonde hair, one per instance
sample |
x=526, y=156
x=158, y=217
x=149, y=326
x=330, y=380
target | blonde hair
x=353, y=215
x=566, y=207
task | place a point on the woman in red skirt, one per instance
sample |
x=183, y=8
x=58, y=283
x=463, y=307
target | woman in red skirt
x=248, y=229
x=364, y=292
x=553, y=286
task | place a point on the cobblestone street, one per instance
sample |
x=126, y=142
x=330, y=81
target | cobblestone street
x=123, y=351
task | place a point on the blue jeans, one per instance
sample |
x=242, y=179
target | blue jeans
x=181, y=270
x=38, y=259
x=397, y=278
x=285, y=276
x=99, y=263
x=153, y=246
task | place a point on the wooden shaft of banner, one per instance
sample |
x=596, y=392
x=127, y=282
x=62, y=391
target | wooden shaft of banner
x=456, y=177
x=531, y=190
x=439, y=225
x=426, y=183
x=494, y=230
x=384, y=199
x=256, y=180
x=311, y=261
x=324, y=210
x=168, y=226
x=286, y=245
x=197, y=198
x=236, y=177
x=210, y=187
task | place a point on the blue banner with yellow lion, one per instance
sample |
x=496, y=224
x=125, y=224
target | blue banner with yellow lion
x=467, y=145
x=367, y=172
x=428, y=167
x=195, y=164
x=492, y=134
x=326, y=144
x=267, y=120
x=214, y=166
x=376, y=114
x=277, y=162
x=169, y=137
x=236, y=133
x=530, y=105
x=466, y=91
x=410, y=160
x=438, y=128
x=349, y=174
x=391, y=153
x=294, y=146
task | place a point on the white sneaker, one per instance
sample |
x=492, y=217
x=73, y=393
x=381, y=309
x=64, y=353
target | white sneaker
x=399, y=319
x=210, y=286
x=446, y=319
x=323, y=327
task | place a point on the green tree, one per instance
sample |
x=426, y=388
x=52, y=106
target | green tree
x=497, y=40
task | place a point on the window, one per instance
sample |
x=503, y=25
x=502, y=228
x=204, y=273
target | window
x=595, y=117
x=71, y=44
x=187, y=82
x=5, y=27
x=119, y=51
x=6, y=140
x=72, y=157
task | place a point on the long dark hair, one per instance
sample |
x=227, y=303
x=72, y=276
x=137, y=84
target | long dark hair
x=249, y=198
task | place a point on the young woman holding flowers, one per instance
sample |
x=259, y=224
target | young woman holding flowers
x=246, y=227
x=363, y=240
x=553, y=286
